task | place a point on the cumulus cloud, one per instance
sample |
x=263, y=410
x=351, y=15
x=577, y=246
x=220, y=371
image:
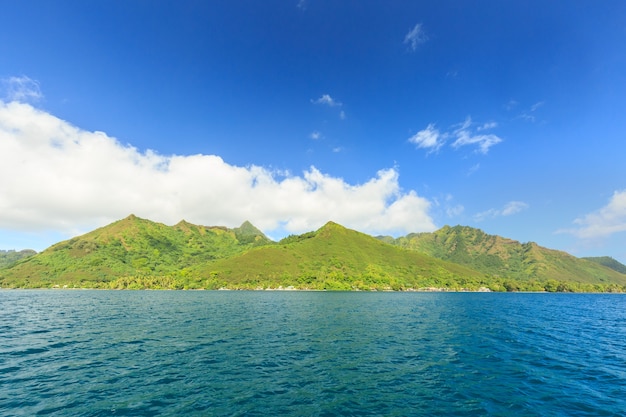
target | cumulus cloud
x=509, y=209
x=59, y=177
x=23, y=89
x=604, y=222
x=429, y=138
x=415, y=37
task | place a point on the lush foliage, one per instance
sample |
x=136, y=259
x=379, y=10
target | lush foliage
x=131, y=247
x=609, y=263
x=134, y=253
x=9, y=257
x=506, y=259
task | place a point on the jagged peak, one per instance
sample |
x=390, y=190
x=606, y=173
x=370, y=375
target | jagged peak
x=184, y=223
x=248, y=233
x=248, y=228
x=331, y=225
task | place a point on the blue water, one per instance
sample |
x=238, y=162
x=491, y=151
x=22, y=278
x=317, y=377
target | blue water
x=223, y=353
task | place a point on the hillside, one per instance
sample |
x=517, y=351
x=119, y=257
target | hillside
x=507, y=259
x=139, y=253
x=9, y=257
x=608, y=262
x=129, y=248
x=334, y=257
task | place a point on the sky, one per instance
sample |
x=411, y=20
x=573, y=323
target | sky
x=388, y=117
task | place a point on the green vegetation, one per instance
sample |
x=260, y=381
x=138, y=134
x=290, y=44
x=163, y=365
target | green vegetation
x=335, y=258
x=518, y=266
x=134, y=253
x=609, y=263
x=131, y=247
x=9, y=257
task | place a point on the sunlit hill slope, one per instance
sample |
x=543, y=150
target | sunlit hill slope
x=508, y=259
x=139, y=253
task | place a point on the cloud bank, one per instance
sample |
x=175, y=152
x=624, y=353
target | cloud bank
x=59, y=177
x=604, y=222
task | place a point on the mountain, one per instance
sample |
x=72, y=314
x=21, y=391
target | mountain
x=247, y=233
x=608, y=262
x=507, y=259
x=335, y=257
x=9, y=257
x=130, y=247
x=139, y=253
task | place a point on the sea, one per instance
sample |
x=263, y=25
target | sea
x=300, y=353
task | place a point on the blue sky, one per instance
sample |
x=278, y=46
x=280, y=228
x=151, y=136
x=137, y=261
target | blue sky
x=387, y=117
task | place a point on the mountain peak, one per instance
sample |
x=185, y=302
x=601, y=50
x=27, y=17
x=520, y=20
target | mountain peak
x=331, y=225
x=248, y=233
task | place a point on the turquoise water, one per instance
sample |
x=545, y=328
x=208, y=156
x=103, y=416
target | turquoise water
x=223, y=353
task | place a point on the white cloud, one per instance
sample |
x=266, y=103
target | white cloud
x=511, y=104
x=535, y=106
x=509, y=209
x=604, y=222
x=487, y=126
x=415, y=37
x=484, y=142
x=327, y=100
x=23, y=89
x=473, y=169
x=59, y=177
x=315, y=135
x=464, y=137
x=455, y=211
x=529, y=114
x=428, y=138
x=514, y=207
x=431, y=138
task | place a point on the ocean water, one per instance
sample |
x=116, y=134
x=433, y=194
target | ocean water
x=227, y=353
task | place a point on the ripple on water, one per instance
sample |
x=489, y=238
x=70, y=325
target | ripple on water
x=103, y=353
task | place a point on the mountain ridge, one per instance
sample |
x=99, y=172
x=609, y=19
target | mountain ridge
x=507, y=258
x=139, y=253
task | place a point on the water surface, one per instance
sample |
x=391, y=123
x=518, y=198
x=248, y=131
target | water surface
x=227, y=353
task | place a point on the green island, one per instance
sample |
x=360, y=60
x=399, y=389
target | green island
x=135, y=253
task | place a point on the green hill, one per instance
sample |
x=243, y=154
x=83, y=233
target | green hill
x=139, y=253
x=9, y=257
x=608, y=262
x=128, y=248
x=521, y=264
x=334, y=257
